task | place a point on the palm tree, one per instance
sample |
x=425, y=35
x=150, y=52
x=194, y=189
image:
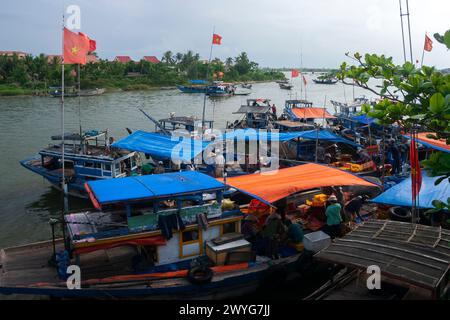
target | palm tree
x=168, y=57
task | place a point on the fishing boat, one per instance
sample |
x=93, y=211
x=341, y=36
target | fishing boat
x=413, y=261
x=285, y=85
x=325, y=81
x=165, y=236
x=87, y=157
x=192, y=88
x=221, y=90
x=71, y=92
x=195, y=86
x=303, y=111
x=256, y=113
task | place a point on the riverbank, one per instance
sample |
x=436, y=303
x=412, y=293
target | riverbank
x=12, y=90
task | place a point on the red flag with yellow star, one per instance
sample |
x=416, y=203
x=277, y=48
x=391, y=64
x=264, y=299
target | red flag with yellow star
x=76, y=47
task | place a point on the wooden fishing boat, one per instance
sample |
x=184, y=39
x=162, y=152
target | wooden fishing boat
x=256, y=113
x=192, y=88
x=130, y=246
x=413, y=261
x=220, y=89
x=70, y=92
x=286, y=86
x=325, y=81
x=87, y=157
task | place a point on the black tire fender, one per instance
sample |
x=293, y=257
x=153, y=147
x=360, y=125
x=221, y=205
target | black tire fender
x=200, y=275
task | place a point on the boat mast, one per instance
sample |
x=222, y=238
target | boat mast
x=301, y=67
x=206, y=89
x=79, y=98
x=63, y=182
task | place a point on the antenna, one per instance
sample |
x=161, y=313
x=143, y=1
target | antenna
x=405, y=14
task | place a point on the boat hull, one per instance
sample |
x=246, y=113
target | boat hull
x=75, y=186
x=37, y=280
x=192, y=89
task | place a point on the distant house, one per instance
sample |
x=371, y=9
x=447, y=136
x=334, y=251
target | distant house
x=51, y=58
x=19, y=54
x=152, y=59
x=90, y=58
x=123, y=59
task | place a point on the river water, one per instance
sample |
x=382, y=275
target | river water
x=26, y=124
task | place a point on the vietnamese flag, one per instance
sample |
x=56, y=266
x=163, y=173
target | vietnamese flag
x=76, y=47
x=92, y=43
x=416, y=174
x=428, y=46
x=294, y=73
x=216, y=39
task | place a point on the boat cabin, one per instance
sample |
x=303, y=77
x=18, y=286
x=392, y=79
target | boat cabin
x=88, y=156
x=174, y=214
x=257, y=114
x=189, y=124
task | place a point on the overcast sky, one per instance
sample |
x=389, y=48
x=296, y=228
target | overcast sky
x=272, y=32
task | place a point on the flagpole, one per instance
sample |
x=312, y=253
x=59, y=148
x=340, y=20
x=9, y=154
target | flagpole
x=423, y=51
x=207, y=76
x=63, y=186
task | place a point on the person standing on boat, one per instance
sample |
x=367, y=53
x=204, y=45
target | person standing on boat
x=339, y=193
x=334, y=219
x=219, y=164
x=274, y=110
x=273, y=233
x=394, y=156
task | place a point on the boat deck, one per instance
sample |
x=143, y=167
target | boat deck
x=412, y=254
x=29, y=265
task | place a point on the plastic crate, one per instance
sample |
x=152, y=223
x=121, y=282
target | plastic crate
x=316, y=241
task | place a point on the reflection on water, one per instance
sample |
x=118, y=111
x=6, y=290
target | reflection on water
x=49, y=204
x=26, y=124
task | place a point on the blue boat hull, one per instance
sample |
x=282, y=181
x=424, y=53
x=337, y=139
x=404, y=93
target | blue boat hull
x=192, y=89
x=75, y=185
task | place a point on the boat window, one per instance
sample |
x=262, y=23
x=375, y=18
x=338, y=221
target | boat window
x=106, y=167
x=188, y=236
x=97, y=165
x=229, y=227
x=88, y=164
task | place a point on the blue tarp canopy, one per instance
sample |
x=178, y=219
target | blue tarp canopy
x=253, y=134
x=198, y=81
x=401, y=195
x=161, y=146
x=364, y=119
x=149, y=187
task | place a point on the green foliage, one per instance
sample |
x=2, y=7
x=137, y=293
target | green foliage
x=409, y=96
x=22, y=76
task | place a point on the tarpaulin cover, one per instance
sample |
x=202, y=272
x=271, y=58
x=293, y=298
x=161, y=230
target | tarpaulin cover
x=440, y=145
x=400, y=194
x=253, y=134
x=309, y=113
x=276, y=185
x=150, y=187
x=198, y=81
x=154, y=144
x=364, y=119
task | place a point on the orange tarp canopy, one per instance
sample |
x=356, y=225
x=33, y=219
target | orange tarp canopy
x=438, y=144
x=311, y=113
x=276, y=185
